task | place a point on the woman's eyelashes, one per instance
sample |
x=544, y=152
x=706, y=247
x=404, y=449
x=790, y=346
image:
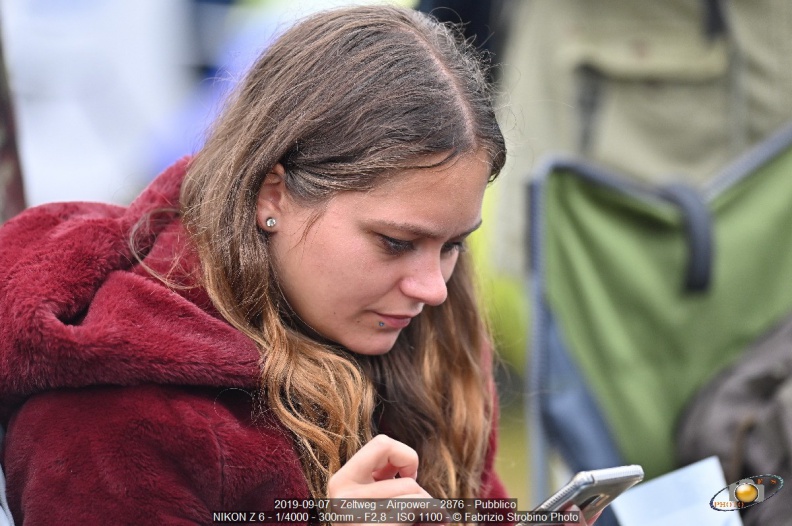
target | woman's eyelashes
x=396, y=246
x=400, y=246
x=454, y=246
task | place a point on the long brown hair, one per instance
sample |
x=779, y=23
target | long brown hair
x=344, y=100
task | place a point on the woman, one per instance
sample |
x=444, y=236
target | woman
x=288, y=314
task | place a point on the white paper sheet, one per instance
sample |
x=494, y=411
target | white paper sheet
x=677, y=498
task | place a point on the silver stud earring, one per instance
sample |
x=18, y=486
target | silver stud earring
x=271, y=222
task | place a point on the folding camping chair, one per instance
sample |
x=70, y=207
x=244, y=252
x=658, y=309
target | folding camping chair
x=641, y=294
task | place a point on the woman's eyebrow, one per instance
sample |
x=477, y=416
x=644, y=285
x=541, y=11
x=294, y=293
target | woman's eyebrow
x=420, y=231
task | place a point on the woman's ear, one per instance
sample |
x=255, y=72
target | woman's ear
x=271, y=199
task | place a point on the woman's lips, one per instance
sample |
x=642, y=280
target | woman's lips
x=395, y=322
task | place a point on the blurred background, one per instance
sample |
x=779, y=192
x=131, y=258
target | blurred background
x=106, y=94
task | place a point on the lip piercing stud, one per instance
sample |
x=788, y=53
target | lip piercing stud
x=382, y=324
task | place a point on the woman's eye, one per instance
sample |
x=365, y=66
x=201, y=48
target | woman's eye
x=396, y=246
x=454, y=246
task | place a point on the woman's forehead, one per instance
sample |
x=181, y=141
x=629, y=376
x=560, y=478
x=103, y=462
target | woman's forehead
x=428, y=201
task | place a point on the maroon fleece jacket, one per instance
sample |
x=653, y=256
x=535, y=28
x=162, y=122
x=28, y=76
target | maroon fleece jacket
x=126, y=401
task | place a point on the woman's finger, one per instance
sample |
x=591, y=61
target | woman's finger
x=593, y=519
x=380, y=456
x=582, y=521
x=385, y=489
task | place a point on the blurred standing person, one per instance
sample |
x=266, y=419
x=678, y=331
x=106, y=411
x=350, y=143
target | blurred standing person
x=661, y=91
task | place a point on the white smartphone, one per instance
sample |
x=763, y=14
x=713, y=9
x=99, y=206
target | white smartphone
x=592, y=490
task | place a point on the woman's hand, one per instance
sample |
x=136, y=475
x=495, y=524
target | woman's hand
x=582, y=520
x=372, y=472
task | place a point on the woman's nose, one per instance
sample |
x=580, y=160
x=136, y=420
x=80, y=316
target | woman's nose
x=426, y=282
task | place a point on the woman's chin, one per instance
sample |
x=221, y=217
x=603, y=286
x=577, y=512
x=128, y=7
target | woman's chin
x=375, y=346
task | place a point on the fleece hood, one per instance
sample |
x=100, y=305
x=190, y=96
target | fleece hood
x=77, y=308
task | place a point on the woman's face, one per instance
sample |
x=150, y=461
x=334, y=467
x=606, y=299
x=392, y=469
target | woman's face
x=373, y=260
